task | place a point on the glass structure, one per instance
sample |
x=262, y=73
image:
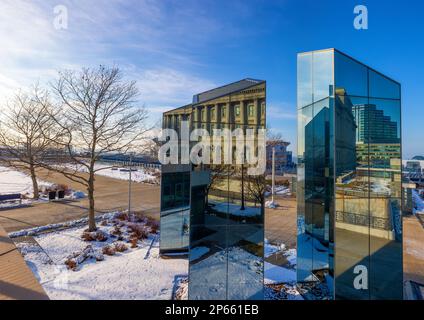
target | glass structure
x=226, y=205
x=349, y=178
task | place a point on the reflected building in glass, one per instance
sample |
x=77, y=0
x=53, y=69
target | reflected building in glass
x=215, y=212
x=349, y=178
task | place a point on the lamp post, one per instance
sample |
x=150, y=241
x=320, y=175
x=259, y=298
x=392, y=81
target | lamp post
x=129, y=185
x=273, y=174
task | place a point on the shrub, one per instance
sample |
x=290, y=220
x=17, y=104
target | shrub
x=103, y=223
x=94, y=236
x=71, y=264
x=134, y=242
x=116, y=231
x=108, y=250
x=122, y=216
x=138, y=231
x=120, y=247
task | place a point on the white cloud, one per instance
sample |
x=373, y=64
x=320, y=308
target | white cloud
x=280, y=111
x=168, y=87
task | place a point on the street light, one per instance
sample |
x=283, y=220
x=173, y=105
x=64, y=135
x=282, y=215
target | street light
x=273, y=174
x=129, y=185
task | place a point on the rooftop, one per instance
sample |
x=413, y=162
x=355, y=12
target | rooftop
x=220, y=92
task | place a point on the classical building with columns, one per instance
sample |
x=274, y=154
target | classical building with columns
x=215, y=213
x=238, y=105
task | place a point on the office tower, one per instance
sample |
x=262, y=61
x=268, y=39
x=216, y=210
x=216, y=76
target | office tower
x=349, y=178
x=283, y=157
x=215, y=212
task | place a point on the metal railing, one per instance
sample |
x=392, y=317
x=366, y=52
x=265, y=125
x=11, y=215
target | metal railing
x=364, y=220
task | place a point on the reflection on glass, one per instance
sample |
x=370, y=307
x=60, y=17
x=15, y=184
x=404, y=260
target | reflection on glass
x=349, y=181
x=227, y=210
x=315, y=149
x=175, y=212
x=368, y=216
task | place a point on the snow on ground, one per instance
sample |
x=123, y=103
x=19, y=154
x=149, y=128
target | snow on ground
x=68, y=224
x=108, y=170
x=13, y=181
x=418, y=202
x=208, y=280
x=279, y=190
x=279, y=275
x=270, y=249
x=271, y=204
x=198, y=252
x=234, y=209
x=280, y=281
x=138, y=273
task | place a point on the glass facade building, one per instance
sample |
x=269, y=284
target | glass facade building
x=225, y=205
x=349, y=178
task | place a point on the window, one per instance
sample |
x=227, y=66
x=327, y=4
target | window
x=237, y=111
x=223, y=110
x=251, y=110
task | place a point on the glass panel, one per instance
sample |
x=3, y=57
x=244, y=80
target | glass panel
x=320, y=186
x=304, y=192
x=226, y=249
x=382, y=87
x=352, y=198
x=304, y=80
x=175, y=212
x=385, y=200
x=322, y=74
x=208, y=263
x=245, y=262
x=351, y=77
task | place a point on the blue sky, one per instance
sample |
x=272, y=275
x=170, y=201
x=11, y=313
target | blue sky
x=177, y=48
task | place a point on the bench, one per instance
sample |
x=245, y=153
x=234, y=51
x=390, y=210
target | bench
x=11, y=197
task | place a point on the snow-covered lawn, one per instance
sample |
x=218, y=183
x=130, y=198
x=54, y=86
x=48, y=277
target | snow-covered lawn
x=246, y=269
x=280, y=281
x=12, y=181
x=279, y=274
x=235, y=209
x=279, y=190
x=136, y=273
x=115, y=172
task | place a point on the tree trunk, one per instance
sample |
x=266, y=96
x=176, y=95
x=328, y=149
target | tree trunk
x=36, y=193
x=91, y=217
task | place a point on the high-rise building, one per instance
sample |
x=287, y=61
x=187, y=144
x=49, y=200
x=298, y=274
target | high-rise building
x=349, y=178
x=215, y=212
x=283, y=157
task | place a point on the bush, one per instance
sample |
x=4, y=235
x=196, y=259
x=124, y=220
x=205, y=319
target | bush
x=134, y=242
x=122, y=216
x=120, y=247
x=138, y=231
x=71, y=264
x=94, y=236
x=108, y=250
x=116, y=231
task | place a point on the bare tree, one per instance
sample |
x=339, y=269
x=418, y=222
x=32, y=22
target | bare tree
x=218, y=173
x=96, y=114
x=25, y=134
x=272, y=135
x=256, y=187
